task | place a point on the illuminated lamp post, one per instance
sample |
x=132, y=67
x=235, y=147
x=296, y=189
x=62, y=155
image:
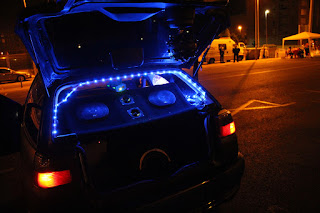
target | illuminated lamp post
x=240, y=28
x=266, y=16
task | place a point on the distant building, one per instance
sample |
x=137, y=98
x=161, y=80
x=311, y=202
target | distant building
x=316, y=16
x=282, y=21
x=304, y=9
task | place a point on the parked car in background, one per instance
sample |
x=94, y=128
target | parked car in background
x=111, y=122
x=7, y=74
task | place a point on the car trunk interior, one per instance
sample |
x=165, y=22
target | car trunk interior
x=134, y=128
x=148, y=151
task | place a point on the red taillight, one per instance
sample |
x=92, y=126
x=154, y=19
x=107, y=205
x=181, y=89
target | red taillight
x=228, y=129
x=53, y=179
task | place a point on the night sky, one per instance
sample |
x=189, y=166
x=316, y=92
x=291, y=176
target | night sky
x=237, y=7
x=9, y=11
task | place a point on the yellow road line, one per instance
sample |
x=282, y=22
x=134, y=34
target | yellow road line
x=245, y=106
x=265, y=102
x=267, y=107
x=242, y=107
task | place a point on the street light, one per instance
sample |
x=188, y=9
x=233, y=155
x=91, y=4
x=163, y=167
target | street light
x=266, y=16
x=240, y=28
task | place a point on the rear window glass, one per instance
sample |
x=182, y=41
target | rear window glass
x=77, y=42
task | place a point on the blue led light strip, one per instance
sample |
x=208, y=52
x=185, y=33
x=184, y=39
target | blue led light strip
x=184, y=77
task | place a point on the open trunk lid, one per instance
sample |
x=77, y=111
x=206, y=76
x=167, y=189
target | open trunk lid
x=75, y=39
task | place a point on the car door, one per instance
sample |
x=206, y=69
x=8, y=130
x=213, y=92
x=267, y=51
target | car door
x=30, y=129
x=10, y=118
x=7, y=75
x=4, y=74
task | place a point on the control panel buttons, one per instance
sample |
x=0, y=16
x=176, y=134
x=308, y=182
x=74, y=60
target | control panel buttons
x=135, y=112
x=126, y=100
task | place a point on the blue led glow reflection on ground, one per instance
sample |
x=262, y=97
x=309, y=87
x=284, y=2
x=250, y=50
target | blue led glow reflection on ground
x=200, y=93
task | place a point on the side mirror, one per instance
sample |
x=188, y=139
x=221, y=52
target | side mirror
x=10, y=114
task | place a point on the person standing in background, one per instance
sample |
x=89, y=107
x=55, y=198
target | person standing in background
x=221, y=49
x=235, y=51
x=306, y=49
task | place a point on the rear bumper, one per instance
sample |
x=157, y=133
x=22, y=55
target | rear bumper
x=195, y=187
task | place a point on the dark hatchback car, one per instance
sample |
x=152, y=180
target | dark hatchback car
x=112, y=122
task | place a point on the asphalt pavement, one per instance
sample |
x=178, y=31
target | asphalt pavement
x=275, y=104
x=16, y=91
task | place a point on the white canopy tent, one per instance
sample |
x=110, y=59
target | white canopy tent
x=301, y=36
